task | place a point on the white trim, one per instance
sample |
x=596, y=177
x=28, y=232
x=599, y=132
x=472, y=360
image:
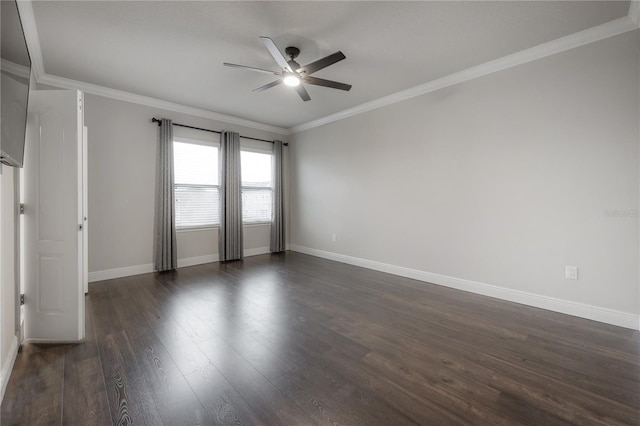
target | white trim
x=590, y=35
x=256, y=251
x=120, y=95
x=634, y=14
x=53, y=342
x=37, y=63
x=129, y=271
x=255, y=225
x=199, y=260
x=198, y=229
x=13, y=68
x=5, y=373
x=562, y=44
x=596, y=313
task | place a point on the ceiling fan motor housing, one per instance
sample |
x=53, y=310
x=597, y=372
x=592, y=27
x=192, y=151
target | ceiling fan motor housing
x=292, y=52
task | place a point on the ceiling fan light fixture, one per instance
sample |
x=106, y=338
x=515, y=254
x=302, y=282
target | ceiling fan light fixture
x=292, y=74
x=291, y=80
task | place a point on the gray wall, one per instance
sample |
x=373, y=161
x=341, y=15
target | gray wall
x=122, y=145
x=501, y=180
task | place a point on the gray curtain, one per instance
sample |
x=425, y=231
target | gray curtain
x=230, y=235
x=165, y=246
x=277, y=243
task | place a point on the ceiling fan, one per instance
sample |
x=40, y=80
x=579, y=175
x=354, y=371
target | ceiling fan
x=292, y=74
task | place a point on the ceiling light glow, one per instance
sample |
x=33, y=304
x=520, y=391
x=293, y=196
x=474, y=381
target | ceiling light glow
x=291, y=80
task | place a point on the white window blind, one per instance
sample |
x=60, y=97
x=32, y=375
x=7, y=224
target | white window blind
x=256, y=187
x=196, y=185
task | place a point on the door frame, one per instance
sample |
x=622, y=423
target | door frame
x=17, y=259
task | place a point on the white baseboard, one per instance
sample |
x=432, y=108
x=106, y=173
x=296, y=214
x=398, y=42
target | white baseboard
x=7, y=367
x=54, y=341
x=128, y=271
x=198, y=260
x=256, y=251
x=596, y=313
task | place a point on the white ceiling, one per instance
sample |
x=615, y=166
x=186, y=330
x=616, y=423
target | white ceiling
x=174, y=51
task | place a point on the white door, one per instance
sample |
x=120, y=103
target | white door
x=54, y=260
x=85, y=210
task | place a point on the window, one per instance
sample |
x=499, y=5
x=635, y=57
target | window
x=256, y=187
x=196, y=184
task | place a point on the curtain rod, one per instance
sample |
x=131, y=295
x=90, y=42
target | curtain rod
x=155, y=120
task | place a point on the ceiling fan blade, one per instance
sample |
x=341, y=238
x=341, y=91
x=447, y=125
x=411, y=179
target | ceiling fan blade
x=273, y=50
x=321, y=63
x=268, y=86
x=226, y=64
x=326, y=83
x=303, y=93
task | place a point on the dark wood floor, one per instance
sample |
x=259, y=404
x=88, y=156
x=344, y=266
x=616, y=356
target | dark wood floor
x=293, y=340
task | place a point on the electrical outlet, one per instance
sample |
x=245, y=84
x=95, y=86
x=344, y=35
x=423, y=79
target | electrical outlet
x=571, y=272
x=334, y=237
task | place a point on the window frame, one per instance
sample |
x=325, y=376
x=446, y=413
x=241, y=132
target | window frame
x=213, y=144
x=249, y=145
x=245, y=145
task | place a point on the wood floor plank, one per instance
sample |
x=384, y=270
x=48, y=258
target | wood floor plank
x=319, y=408
x=367, y=408
x=130, y=399
x=290, y=339
x=483, y=367
x=38, y=381
x=223, y=403
x=417, y=407
x=85, y=398
x=269, y=404
x=175, y=401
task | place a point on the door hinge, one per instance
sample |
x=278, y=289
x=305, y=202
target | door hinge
x=21, y=299
x=21, y=208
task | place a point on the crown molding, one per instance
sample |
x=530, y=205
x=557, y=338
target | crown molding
x=121, y=95
x=562, y=44
x=13, y=68
x=35, y=52
x=628, y=23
